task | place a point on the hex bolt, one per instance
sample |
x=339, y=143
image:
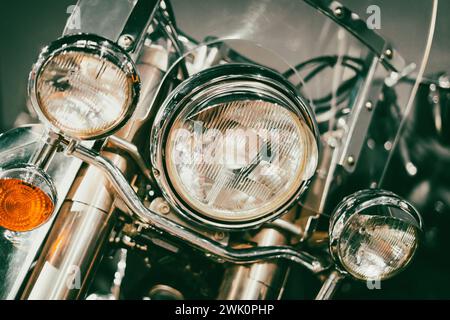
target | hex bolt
x=351, y=160
x=369, y=105
x=388, y=53
x=126, y=41
x=219, y=235
x=338, y=12
x=160, y=205
x=164, y=208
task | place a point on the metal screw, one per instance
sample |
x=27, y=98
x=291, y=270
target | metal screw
x=388, y=53
x=351, y=160
x=160, y=205
x=338, y=12
x=126, y=42
x=411, y=169
x=388, y=145
x=332, y=142
x=164, y=208
x=369, y=105
x=219, y=235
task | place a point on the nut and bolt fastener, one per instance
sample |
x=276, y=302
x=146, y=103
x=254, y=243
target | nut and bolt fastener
x=219, y=235
x=351, y=160
x=164, y=208
x=338, y=12
x=388, y=53
x=126, y=42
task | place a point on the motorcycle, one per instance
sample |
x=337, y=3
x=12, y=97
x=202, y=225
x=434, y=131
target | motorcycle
x=220, y=154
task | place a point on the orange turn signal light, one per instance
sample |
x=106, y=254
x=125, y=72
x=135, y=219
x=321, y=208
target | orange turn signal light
x=26, y=200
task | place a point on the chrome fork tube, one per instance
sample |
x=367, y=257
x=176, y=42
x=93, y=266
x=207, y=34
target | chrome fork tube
x=330, y=285
x=72, y=248
x=76, y=239
x=258, y=281
x=44, y=155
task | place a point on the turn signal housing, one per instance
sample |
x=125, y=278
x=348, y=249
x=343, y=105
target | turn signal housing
x=27, y=198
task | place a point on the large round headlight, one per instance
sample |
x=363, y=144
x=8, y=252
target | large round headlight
x=374, y=234
x=234, y=145
x=84, y=86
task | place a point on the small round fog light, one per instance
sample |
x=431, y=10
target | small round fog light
x=374, y=234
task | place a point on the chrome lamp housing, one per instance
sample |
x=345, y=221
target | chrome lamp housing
x=374, y=234
x=84, y=86
x=234, y=192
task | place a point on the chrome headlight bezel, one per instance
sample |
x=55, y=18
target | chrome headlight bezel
x=94, y=45
x=244, y=79
x=356, y=204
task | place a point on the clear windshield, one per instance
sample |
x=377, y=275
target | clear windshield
x=357, y=63
x=359, y=73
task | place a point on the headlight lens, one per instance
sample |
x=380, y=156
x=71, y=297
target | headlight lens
x=374, y=234
x=233, y=174
x=84, y=86
x=238, y=151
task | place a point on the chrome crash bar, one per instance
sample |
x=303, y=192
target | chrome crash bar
x=212, y=249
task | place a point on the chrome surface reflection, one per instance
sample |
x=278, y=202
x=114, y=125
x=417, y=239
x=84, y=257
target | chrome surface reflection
x=18, y=250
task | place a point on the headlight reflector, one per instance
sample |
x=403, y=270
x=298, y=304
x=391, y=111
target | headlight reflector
x=84, y=86
x=374, y=234
x=236, y=148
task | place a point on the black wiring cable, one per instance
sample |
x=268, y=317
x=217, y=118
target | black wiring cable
x=322, y=62
x=329, y=60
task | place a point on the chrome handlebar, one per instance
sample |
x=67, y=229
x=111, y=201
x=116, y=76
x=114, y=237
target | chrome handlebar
x=212, y=249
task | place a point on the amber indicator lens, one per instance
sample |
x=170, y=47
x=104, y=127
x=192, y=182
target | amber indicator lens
x=24, y=205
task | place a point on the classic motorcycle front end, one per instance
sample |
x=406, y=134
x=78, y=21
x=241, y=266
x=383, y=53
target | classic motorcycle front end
x=207, y=159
